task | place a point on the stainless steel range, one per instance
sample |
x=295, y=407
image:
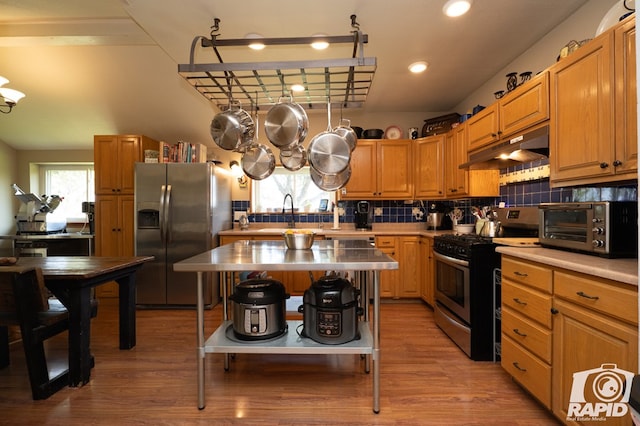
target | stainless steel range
x=466, y=299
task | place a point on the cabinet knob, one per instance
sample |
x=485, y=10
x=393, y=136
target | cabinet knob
x=617, y=163
x=604, y=165
x=554, y=311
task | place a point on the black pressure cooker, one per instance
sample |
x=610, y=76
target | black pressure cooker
x=330, y=311
x=259, y=309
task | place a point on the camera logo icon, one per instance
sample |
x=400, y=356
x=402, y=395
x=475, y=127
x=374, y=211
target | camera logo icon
x=600, y=392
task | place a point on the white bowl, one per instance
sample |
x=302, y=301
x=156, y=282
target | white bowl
x=465, y=228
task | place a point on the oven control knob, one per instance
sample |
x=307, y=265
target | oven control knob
x=598, y=230
x=596, y=220
x=598, y=243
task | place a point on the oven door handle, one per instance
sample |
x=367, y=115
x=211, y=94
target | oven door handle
x=451, y=260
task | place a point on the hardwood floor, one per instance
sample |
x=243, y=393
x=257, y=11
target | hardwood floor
x=425, y=380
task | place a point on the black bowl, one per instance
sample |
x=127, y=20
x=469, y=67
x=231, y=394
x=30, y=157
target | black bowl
x=373, y=134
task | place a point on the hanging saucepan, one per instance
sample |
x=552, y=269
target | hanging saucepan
x=232, y=128
x=293, y=159
x=258, y=162
x=329, y=153
x=344, y=129
x=286, y=124
x=330, y=182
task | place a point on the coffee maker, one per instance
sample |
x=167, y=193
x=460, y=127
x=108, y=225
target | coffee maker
x=437, y=217
x=363, y=215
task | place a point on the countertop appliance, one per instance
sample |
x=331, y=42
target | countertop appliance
x=330, y=311
x=179, y=210
x=467, y=268
x=604, y=228
x=259, y=309
x=363, y=215
x=437, y=218
x=37, y=214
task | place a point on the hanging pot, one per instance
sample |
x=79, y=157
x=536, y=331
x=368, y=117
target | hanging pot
x=286, y=124
x=329, y=152
x=293, y=159
x=330, y=182
x=350, y=136
x=232, y=128
x=258, y=162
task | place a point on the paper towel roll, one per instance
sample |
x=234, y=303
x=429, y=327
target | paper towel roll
x=336, y=217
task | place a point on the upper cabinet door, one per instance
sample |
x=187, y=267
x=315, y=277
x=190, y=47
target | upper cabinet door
x=626, y=161
x=582, y=135
x=526, y=106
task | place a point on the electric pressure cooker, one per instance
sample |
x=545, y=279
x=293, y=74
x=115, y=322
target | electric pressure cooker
x=259, y=309
x=330, y=311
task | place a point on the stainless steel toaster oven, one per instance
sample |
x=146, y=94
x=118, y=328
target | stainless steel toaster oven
x=604, y=228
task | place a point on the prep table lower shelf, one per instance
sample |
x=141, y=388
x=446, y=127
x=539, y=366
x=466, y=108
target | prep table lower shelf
x=288, y=343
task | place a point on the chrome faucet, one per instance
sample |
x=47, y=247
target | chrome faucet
x=292, y=222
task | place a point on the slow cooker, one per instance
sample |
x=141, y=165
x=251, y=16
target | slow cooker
x=259, y=309
x=330, y=311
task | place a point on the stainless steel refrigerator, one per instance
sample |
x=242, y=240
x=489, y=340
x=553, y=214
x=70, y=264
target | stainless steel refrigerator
x=179, y=210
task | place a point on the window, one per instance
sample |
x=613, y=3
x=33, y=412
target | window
x=267, y=195
x=74, y=183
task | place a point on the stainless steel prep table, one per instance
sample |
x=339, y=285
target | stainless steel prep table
x=336, y=255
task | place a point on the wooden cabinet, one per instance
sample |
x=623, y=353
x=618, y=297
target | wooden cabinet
x=456, y=179
x=466, y=183
x=114, y=232
x=427, y=272
x=410, y=285
x=556, y=323
x=526, y=325
x=380, y=169
x=593, y=111
x=524, y=107
x=296, y=282
x=389, y=278
x=626, y=126
x=114, y=159
x=406, y=281
x=595, y=325
x=429, y=167
x=114, y=165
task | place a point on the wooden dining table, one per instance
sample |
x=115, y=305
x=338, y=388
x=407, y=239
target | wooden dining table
x=71, y=279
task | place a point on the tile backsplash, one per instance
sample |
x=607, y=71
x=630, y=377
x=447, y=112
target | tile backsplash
x=527, y=193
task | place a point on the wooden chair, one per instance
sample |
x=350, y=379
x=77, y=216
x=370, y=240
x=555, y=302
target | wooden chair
x=24, y=302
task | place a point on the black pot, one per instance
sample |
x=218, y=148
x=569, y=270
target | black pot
x=373, y=134
x=358, y=131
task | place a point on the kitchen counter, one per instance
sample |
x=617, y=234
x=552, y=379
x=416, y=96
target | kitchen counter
x=621, y=270
x=70, y=235
x=272, y=256
x=345, y=231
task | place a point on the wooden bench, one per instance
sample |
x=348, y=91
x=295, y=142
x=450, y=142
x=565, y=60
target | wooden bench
x=24, y=301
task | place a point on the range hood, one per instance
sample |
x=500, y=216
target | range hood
x=524, y=148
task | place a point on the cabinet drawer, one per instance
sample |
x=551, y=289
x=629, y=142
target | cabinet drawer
x=527, y=369
x=527, y=333
x=528, y=302
x=531, y=274
x=385, y=242
x=599, y=295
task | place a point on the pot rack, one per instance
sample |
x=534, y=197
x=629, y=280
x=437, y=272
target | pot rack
x=344, y=80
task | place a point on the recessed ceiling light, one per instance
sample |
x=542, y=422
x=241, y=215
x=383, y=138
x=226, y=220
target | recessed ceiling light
x=455, y=8
x=321, y=44
x=297, y=88
x=255, y=45
x=418, y=67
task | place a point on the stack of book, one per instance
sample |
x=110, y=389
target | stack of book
x=183, y=152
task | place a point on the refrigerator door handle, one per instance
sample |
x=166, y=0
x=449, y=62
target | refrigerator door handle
x=167, y=215
x=163, y=192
